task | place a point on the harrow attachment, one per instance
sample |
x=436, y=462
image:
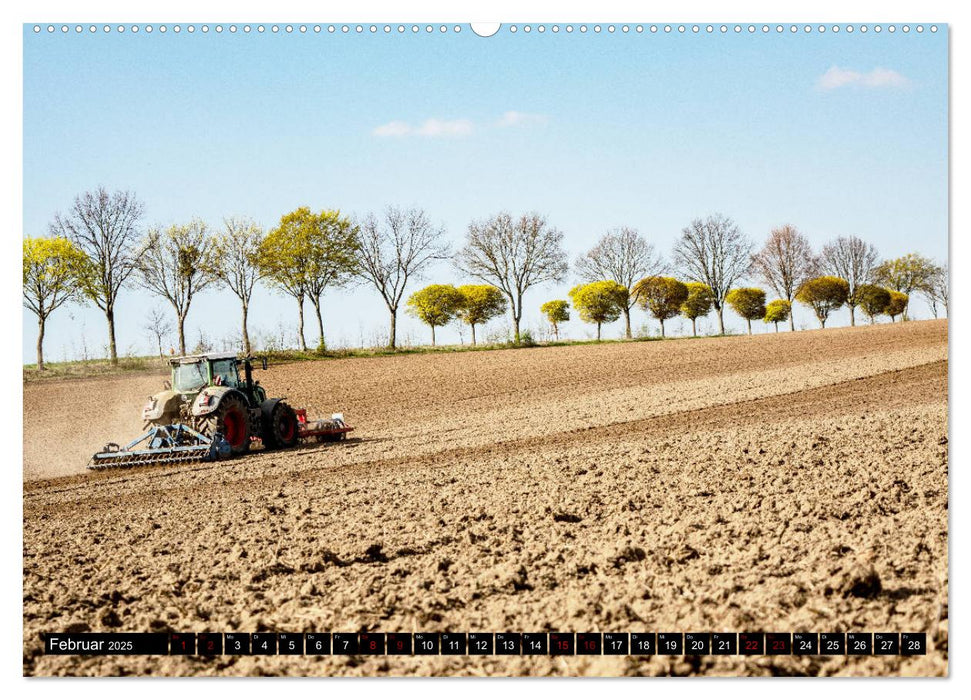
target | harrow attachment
x=322, y=430
x=162, y=444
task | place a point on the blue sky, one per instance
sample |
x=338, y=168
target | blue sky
x=834, y=133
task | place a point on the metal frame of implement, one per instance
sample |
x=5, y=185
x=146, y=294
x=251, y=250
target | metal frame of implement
x=175, y=443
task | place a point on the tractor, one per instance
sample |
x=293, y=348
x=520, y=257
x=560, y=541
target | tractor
x=209, y=410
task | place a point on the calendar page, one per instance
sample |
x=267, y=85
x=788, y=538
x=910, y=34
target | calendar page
x=515, y=349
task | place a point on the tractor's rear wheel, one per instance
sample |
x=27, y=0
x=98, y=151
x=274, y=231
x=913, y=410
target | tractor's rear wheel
x=281, y=428
x=231, y=419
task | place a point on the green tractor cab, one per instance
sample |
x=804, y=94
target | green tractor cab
x=213, y=405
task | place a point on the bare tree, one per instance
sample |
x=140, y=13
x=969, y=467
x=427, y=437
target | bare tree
x=852, y=259
x=625, y=257
x=104, y=227
x=176, y=264
x=396, y=249
x=714, y=251
x=785, y=262
x=158, y=327
x=235, y=263
x=514, y=255
x=936, y=290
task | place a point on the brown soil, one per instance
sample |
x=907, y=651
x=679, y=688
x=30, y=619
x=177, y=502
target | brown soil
x=716, y=484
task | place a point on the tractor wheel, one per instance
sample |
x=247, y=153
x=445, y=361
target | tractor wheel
x=281, y=428
x=231, y=419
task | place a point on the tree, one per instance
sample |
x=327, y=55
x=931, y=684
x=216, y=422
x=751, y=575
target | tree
x=283, y=261
x=897, y=305
x=824, y=295
x=158, y=326
x=332, y=242
x=936, y=290
x=480, y=303
x=236, y=263
x=624, y=256
x=785, y=262
x=748, y=302
x=777, y=311
x=852, y=259
x=908, y=274
x=715, y=252
x=872, y=299
x=54, y=269
x=514, y=255
x=436, y=305
x=557, y=311
x=305, y=254
x=599, y=302
x=104, y=227
x=177, y=264
x=697, y=304
x=663, y=297
x=395, y=249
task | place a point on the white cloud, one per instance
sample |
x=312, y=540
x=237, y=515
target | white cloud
x=837, y=77
x=393, y=129
x=456, y=128
x=513, y=118
x=430, y=127
x=443, y=127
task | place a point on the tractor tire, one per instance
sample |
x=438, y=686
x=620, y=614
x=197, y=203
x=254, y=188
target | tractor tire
x=280, y=429
x=231, y=420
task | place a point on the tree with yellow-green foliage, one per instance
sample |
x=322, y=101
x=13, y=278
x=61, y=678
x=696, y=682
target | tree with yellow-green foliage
x=747, y=302
x=480, y=303
x=663, y=297
x=699, y=302
x=436, y=305
x=599, y=302
x=54, y=270
x=897, y=305
x=824, y=295
x=777, y=311
x=872, y=299
x=907, y=274
x=557, y=311
x=307, y=253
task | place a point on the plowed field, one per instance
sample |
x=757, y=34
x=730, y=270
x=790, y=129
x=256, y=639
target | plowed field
x=780, y=482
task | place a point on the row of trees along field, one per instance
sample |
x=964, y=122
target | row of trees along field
x=98, y=249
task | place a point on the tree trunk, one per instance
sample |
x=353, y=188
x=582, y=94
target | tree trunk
x=433, y=336
x=776, y=326
x=556, y=331
x=320, y=323
x=394, y=326
x=515, y=328
x=822, y=323
x=246, y=345
x=627, y=333
x=112, y=347
x=662, y=327
x=40, y=343
x=852, y=315
x=181, y=323
x=792, y=321
x=300, y=338
x=473, y=334
x=721, y=320
x=598, y=332
x=749, y=322
x=694, y=328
